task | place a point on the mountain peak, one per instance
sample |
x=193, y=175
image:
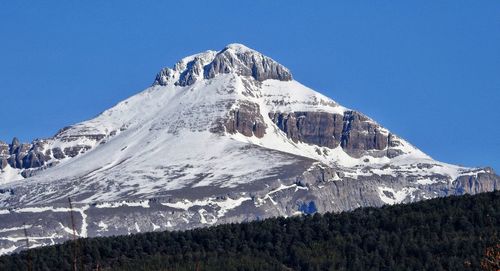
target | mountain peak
x=234, y=58
x=238, y=47
x=214, y=146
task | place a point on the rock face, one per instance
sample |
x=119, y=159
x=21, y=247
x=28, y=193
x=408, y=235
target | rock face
x=4, y=154
x=353, y=131
x=360, y=134
x=473, y=184
x=234, y=58
x=36, y=154
x=193, y=70
x=22, y=155
x=31, y=158
x=247, y=120
x=246, y=62
x=318, y=128
x=221, y=137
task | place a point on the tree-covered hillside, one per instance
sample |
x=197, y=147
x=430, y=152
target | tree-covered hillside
x=454, y=233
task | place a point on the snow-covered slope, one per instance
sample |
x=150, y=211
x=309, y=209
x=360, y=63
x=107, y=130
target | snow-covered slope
x=221, y=128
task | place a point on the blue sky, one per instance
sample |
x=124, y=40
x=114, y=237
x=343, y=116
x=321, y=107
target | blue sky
x=427, y=70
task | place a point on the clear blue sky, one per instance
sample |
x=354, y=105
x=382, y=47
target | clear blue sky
x=427, y=70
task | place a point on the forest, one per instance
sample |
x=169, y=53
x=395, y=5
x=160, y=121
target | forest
x=452, y=233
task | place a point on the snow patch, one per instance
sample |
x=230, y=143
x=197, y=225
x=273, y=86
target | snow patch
x=268, y=196
x=102, y=226
x=425, y=181
x=8, y=250
x=15, y=228
x=67, y=229
x=155, y=227
x=9, y=174
x=143, y=204
x=203, y=220
x=391, y=196
x=223, y=206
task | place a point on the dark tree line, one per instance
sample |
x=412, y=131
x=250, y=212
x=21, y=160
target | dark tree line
x=454, y=233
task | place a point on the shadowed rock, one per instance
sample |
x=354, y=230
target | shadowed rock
x=246, y=120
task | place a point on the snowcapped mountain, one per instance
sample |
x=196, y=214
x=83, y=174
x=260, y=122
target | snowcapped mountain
x=221, y=137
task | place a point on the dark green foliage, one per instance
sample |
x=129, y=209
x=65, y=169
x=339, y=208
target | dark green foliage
x=440, y=234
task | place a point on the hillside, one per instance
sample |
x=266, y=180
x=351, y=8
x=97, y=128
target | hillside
x=451, y=233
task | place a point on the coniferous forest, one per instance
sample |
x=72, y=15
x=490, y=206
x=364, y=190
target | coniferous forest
x=453, y=233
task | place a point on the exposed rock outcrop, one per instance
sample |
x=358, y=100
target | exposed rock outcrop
x=4, y=154
x=360, y=134
x=246, y=119
x=319, y=128
x=58, y=153
x=486, y=181
x=38, y=154
x=193, y=70
x=234, y=58
x=246, y=62
x=356, y=133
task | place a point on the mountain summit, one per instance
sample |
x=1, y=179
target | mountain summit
x=221, y=137
x=234, y=58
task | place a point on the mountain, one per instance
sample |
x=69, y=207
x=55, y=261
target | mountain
x=221, y=137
